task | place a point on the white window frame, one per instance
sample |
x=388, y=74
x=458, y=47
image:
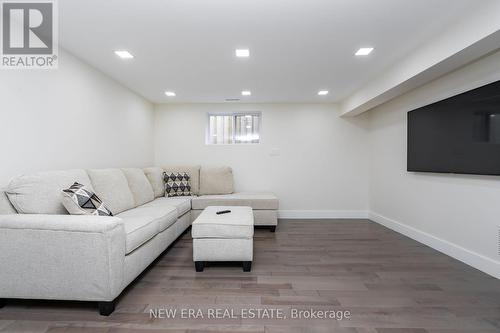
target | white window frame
x=233, y=115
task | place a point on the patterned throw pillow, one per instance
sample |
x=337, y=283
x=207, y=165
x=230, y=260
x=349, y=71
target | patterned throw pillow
x=80, y=201
x=177, y=184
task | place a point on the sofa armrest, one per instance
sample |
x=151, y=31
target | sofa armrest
x=64, y=257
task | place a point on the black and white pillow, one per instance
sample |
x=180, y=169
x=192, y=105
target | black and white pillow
x=177, y=184
x=80, y=201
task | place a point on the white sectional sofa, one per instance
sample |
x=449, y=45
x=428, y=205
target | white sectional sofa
x=47, y=254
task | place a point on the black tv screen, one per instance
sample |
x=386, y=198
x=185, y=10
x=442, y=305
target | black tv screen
x=460, y=134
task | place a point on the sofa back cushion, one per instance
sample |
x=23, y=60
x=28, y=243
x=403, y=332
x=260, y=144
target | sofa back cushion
x=112, y=188
x=40, y=193
x=6, y=207
x=216, y=181
x=194, y=175
x=155, y=177
x=139, y=185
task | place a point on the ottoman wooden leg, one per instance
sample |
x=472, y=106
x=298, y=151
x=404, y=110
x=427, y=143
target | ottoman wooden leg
x=273, y=228
x=199, y=266
x=247, y=266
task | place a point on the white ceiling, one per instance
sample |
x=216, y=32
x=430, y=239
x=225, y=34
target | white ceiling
x=297, y=47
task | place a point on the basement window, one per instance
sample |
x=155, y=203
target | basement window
x=233, y=128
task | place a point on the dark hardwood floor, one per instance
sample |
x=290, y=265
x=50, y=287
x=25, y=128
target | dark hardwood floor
x=388, y=283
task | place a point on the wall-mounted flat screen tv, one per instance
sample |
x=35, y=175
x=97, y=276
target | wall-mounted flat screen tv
x=460, y=134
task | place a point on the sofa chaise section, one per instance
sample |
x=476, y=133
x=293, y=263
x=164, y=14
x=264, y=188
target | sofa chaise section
x=216, y=188
x=265, y=205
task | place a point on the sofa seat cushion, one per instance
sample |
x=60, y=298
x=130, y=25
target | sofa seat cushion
x=182, y=204
x=40, y=193
x=251, y=199
x=143, y=223
x=235, y=225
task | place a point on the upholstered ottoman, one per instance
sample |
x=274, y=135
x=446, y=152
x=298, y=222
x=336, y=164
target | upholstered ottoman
x=225, y=237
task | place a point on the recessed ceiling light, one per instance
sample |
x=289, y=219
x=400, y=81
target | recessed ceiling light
x=242, y=53
x=170, y=93
x=246, y=93
x=124, y=54
x=323, y=92
x=364, y=51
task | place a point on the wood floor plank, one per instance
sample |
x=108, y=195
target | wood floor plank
x=388, y=282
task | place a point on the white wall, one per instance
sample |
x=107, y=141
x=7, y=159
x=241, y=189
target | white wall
x=457, y=214
x=75, y=117
x=72, y=117
x=322, y=167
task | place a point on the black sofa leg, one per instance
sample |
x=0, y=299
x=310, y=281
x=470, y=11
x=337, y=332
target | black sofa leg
x=273, y=228
x=247, y=266
x=199, y=266
x=106, y=308
x=2, y=303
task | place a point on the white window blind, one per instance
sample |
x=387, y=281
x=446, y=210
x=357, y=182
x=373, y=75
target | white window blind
x=234, y=128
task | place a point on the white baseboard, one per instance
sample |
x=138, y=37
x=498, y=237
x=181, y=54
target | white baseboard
x=322, y=214
x=476, y=260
